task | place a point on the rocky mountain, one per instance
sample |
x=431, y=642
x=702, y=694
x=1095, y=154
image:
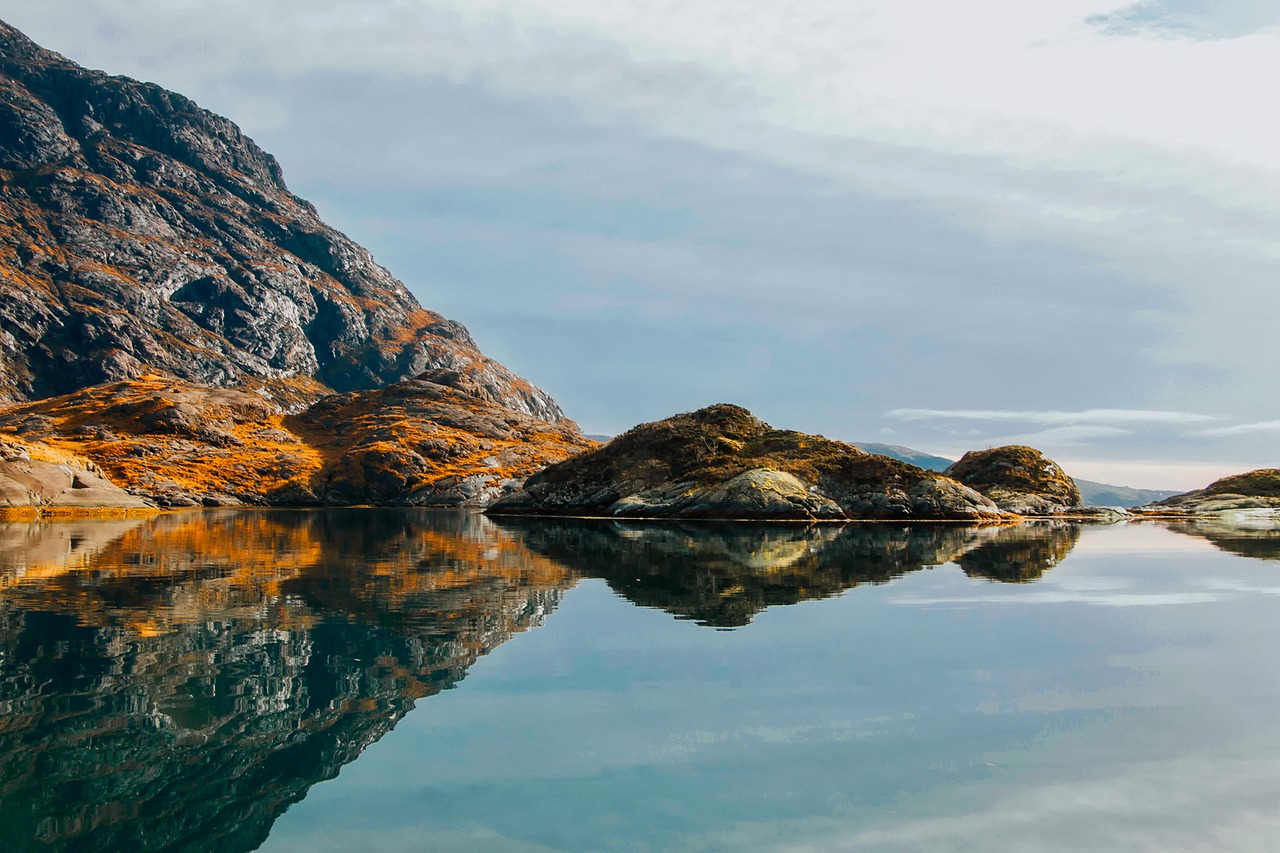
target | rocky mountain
x=1018, y=479
x=723, y=462
x=140, y=233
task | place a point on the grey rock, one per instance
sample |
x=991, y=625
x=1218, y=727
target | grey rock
x=141, y=233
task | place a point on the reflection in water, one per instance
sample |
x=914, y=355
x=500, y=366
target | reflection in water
x=724, y=574
x=1261, y=542
x=1020, y=554
x=175, y=683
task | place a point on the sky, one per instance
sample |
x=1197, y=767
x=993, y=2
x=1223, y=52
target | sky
x=943, y=225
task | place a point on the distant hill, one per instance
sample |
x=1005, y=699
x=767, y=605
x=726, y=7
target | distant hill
x=907, y=454
x=1094, y=494
x=1102, y=494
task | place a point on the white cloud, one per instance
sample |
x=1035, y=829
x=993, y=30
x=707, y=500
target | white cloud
x=1240, y=429
x=1053, y=418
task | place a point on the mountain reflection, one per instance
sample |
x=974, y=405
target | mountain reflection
x=174, y=684
x=723, y=575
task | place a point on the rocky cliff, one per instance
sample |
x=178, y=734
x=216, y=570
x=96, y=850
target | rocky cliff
x=140, y=233
x=723, y=462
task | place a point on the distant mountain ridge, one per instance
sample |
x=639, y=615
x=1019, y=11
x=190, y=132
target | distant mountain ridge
x=141, y=233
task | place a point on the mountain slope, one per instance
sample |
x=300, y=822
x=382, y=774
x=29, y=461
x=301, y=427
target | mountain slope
x=141, y=233
x=435, y=440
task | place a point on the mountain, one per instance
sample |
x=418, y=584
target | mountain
x=1102, y=494
x=174, y=318
x=140, y=233
x=906, y=454
x=1093, y=494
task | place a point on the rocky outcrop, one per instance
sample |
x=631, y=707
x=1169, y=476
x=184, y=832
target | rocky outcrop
x=140, y=233
x=1253, y=495
x=43, y=479
x=723, y=462
x=1018, y=479
x=435, y=440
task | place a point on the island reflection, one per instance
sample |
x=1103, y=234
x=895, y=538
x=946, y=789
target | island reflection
x=175, y=683
x=722, y=575
x=1259, y=540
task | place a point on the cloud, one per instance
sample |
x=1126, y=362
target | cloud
x=1063, y=436
x=1239, y=429
x=1195, y=19
x=1053, y=418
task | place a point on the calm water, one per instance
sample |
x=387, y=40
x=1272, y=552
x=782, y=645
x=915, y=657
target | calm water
x=384, y=680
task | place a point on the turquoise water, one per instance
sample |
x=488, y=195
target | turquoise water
x=387, y=680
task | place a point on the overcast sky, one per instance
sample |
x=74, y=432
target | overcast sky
x=922, y=222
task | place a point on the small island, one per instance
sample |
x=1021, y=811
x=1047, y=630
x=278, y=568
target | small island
x=722, y=462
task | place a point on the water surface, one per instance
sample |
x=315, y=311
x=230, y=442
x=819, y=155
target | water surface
x=401, y=680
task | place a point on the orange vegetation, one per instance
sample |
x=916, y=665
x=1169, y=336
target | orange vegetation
x=181, y=443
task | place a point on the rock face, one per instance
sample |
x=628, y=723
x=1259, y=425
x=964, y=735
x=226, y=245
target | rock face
x=1256, y=493
x=140, y=233
x=723, y=462
x=57, y=481
x=1018, y=479
x=435, y=440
